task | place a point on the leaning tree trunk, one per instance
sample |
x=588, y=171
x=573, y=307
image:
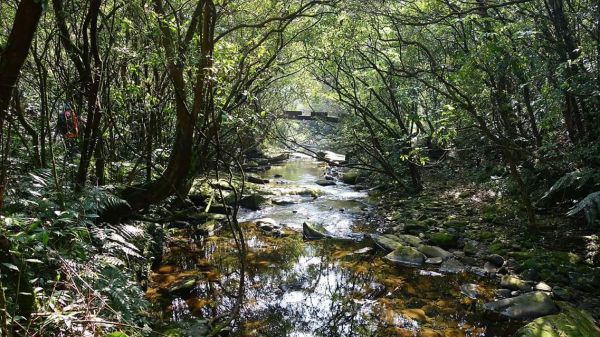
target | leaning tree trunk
x=175, y=176
x=12, y=58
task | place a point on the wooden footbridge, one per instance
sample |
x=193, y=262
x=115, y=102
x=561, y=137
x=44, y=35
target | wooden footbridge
x=312, y=115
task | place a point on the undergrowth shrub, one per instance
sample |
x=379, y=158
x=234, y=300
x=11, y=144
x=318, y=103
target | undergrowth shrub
x=80, y=273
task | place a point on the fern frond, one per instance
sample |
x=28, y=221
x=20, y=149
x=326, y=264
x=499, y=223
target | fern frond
x=572, y=185
x=590, y=206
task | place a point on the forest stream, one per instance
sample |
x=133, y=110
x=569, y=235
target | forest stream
x=338, y=286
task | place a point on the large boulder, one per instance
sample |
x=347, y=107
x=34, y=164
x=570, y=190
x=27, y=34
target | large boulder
x=406, y=256
x=254, y=202
x=350, y=177
x=529, y=305
x=571, y=322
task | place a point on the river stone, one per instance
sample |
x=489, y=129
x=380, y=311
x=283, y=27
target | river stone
x=253, y=178
x=433, y=251
x=496, y=260
x=325, y=182
x=405, y=256
x=434, y=260
x=313, y=232
x=452, y=266
x=529, y=305
x=408, y=239
x=490, y=268
x=444, y=239
x=514, y=283
x=387, y=242
x=543, y=286
x=471, y=247
x=350, y=177
x=471, y=290
x=254, y=202
x=284, y=201
x=267, y=224
x=503, y=293
x=571, y=322
x=479, y=271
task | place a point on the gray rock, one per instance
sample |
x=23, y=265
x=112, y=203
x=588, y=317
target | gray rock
x=529, y=305
x=253, y=178
x=314, y=232
x=514, y=283
x=503, y=293
x=254, y=202
x=434, y=260
x=479, y=271
x=387, y=242
x=490, y=268
x=406, y=256
x=266, y=224
x=452, y=266
x=542, y=286
x=284, y=201
x=496, y=260
x=325, y=182
x=471, y=247
x=410, y=240
x=433, y=251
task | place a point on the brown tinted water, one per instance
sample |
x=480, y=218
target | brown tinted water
x=318, y=288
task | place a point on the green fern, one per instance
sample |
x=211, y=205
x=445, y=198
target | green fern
x=590, y=206
x=572, y=185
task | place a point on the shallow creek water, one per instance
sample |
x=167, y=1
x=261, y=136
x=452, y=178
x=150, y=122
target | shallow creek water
x=317, y=288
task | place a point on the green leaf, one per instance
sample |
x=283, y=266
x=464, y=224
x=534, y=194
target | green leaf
x=10, y=266
x=33, y=261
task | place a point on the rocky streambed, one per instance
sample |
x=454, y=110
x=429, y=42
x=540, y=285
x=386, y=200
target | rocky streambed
x=320, y=263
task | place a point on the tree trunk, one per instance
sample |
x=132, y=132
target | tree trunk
x=12, y=58
x=173, y=179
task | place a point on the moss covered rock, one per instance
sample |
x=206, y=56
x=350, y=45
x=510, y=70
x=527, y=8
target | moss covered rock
x=405, y=256
x=444, y=239
x=571, y=322
x=254, y=202
x=350, y=177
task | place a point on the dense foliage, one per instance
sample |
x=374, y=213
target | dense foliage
x=167, y=91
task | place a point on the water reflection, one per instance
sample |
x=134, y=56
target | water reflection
x=328, y=288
